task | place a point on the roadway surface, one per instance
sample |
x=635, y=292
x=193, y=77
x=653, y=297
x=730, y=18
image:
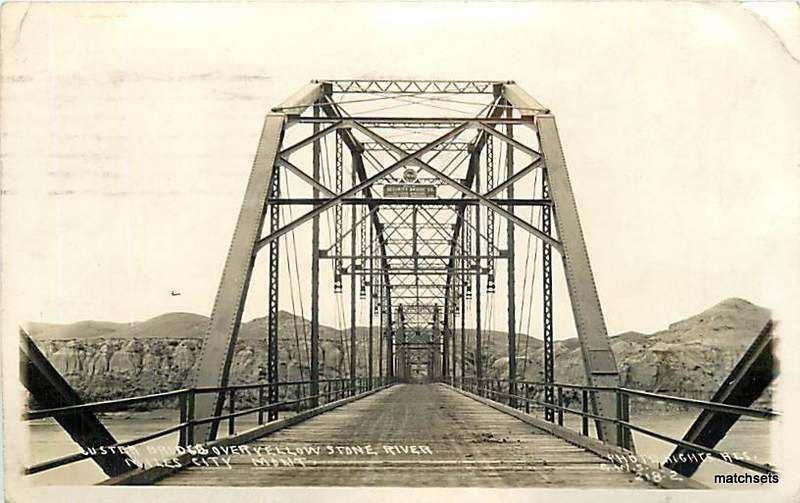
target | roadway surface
x=412, y=435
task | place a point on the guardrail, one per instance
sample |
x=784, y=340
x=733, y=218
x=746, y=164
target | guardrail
x=332, y=390
x=500, y=391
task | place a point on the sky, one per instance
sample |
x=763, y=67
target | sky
x=128, y=133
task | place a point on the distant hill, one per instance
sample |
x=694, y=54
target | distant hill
x=103, y=359
x=79, y=330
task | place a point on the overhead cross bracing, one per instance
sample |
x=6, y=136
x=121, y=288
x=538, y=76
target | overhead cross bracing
x=420, y=187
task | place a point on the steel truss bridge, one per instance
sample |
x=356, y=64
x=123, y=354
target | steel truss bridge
x=425, y=187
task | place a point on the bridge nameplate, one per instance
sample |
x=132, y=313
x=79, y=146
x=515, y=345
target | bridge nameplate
x=409, y=190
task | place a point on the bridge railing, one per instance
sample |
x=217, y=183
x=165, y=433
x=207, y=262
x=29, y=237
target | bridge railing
x=529, y=395
x=294, y=401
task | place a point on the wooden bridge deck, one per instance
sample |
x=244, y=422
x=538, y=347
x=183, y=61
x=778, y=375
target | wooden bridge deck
x=418, y=436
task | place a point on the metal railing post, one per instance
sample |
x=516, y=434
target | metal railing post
x=297, y=391
x=626, y=432
x=585, y=409
x=560, y=394
x=231, y=410
x=260, y=405
x=527, y=398
x=190, y=416
x=182, y=408
x=619, y=418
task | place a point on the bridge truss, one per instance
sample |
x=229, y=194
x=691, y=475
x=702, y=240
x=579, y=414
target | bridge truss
x=417, y=199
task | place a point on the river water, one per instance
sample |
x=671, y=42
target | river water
x=48, y=441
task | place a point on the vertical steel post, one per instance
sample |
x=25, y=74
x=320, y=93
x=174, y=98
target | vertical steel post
x=463, y=280
x=490, y=244
x=478, y=293
x=560, y=393
x=261, y=404
x=272, y=302
x=231, y=410
x=527, y=399
x=511, y=271
x=371, y=307
x=315, y=272
x=626, y=416
x=445, y=341
x=547, y=303
x=585, y=410
x=453, y=309
x=337, y=217
x=381, y=325
x=618, y=416
x=390, y=370
x=190, y=396
x=437, y=365
x=182, y=408
x=353, y=254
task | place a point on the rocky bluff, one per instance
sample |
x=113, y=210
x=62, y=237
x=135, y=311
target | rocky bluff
x=112, y=360
x=109, y=360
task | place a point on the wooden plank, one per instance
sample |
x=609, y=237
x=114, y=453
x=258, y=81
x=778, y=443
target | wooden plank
x=152, y=475
x=468, y=445
x=669, y=479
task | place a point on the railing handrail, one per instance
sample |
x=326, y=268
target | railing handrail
x=109, y=405
x=690, y=402
x=100, y=406
x=186, y=424
x=622, y=421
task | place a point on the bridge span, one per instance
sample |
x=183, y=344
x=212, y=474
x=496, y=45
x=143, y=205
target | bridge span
x=410, y=435
x=434, y=188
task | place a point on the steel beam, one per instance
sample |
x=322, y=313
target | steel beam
x=353, y=320
x=371, y=307
x=308, y=179
x=753, y=373
x=337, y=215
x=355, y=147
x=302, y=99
x=273, y=293
x=358, y=188
x=510, y=276
x=488, y=203
x=50, y=391
x=463, y=308
x=547, y=310
x=478, y=293
x=527, y=106
x=366, y=86
x=511, y=180
x=213, y=365
x=315, y=161
x=599, y=361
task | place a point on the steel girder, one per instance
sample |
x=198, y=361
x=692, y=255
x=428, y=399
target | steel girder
x=50, y=390
x=213, y=365
x=599, y=361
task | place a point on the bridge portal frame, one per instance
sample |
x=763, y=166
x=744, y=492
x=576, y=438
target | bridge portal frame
x=213, y=366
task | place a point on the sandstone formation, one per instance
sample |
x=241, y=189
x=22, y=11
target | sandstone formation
x=689, y=358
